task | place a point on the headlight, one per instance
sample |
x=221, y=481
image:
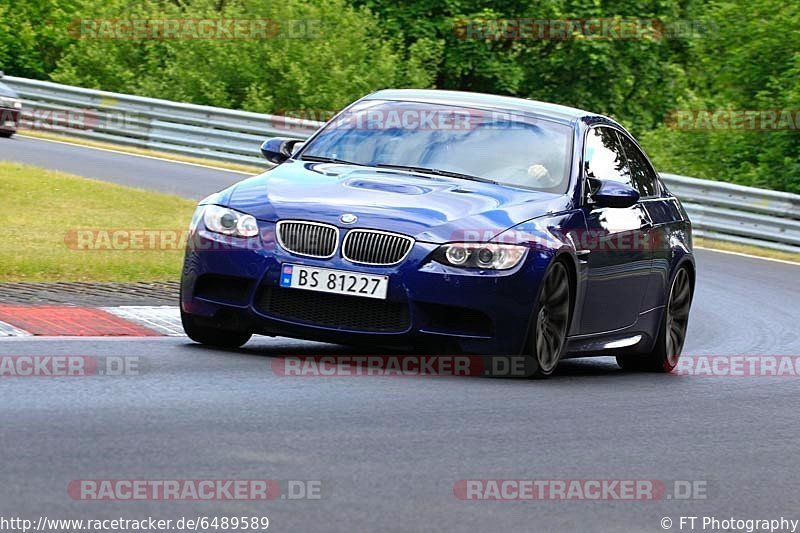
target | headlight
x=229, y=222
x=486, y=255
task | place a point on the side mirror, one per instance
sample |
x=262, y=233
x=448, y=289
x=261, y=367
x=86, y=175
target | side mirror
x=278, y=149
x=609, y=193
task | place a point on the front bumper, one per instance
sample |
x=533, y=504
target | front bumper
x=234, y=283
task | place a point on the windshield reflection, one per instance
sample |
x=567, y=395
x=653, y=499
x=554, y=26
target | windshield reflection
x=507, y=149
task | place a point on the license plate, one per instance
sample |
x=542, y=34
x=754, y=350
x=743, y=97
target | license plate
x=10, y=124
x=334, y=281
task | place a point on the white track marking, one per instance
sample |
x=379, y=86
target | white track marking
x=7, y=330
x=139, y=155
x=163, y=319
x=740, y=254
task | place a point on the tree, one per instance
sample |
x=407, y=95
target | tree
x=748, y=60
x=33, y=35
x=317, y=56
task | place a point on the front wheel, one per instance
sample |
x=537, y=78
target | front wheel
x=223, y=338
x=548, y=335
x=671, y=334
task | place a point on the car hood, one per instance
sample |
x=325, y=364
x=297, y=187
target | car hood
x=429, y=208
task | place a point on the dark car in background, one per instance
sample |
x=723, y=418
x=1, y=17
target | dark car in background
x=10, y=110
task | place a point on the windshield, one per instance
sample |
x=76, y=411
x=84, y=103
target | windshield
x=489, y=145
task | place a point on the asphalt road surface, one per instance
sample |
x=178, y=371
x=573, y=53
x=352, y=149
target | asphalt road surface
x=387, y=452
x=190, y=181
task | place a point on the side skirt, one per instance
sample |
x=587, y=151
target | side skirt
x=636, y=338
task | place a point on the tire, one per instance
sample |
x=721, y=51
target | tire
x=211, y=336
x=6, y=134
x=671, y=333
x=547, y=338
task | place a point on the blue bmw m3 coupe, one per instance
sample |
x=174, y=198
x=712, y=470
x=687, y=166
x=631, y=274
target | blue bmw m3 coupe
x=441, y=221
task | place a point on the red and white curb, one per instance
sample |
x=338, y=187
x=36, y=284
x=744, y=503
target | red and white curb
x=64, y=320
x=164, y=319
x=7, y=330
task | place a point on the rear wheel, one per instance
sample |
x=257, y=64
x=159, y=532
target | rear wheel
x=223, y=338
x=6, y=134
x=548, y=335
x=671, y=334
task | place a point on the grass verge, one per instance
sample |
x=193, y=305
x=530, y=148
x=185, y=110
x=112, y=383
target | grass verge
x=249, y=169
x=44, y=210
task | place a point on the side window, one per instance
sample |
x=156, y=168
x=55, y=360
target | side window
x=642, y=175
x=603, y=157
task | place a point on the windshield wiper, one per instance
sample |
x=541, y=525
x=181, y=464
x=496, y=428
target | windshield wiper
x=437, y=172
x=323, y=159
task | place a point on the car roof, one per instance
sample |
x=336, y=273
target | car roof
x=510, y=104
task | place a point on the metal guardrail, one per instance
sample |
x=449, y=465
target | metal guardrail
x=739, y=214
x=187, y=129
x=718, y=210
